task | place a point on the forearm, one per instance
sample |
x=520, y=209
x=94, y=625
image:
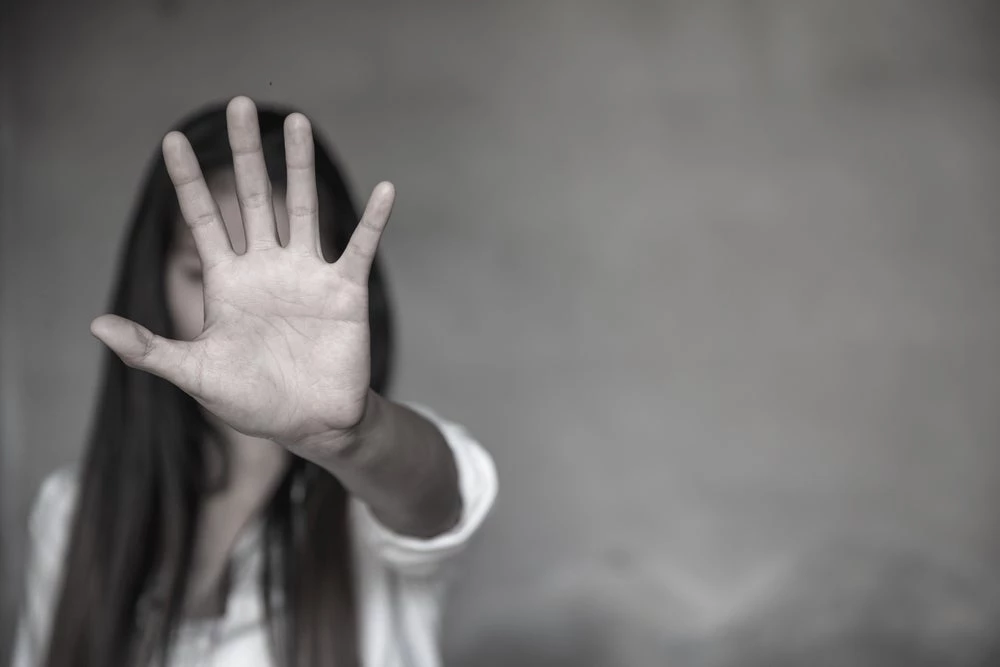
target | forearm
x=396, y=462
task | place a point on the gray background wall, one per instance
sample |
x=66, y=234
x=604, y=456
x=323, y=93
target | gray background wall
x=715, y=282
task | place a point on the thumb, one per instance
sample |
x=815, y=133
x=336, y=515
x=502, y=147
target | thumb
x=140, y=348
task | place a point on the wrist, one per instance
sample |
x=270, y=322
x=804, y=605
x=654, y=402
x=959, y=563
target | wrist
x=344, y=443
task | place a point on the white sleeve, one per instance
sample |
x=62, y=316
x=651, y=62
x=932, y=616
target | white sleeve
x=412, y=556
x=48, y=528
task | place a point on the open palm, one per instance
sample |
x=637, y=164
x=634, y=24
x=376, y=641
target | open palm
x=284, y=352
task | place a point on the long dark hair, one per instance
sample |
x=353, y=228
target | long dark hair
x=144, y=474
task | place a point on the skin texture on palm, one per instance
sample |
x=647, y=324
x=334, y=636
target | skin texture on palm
x=283, y=348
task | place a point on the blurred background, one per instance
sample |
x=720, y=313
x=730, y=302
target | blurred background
x=715, y=282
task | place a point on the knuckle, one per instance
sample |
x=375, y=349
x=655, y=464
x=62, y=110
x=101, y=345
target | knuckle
x=361, y=251
x=370, y=225
x=148, y=341
x=302, y=210
x=255, y=200
x=204, y=219
x=149, y=347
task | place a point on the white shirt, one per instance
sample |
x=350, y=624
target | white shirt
x=399, y=579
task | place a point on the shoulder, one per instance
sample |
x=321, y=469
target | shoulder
x=48, y=530
x=52, y=509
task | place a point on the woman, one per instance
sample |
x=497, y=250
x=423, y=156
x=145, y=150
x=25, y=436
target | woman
x=249, y=495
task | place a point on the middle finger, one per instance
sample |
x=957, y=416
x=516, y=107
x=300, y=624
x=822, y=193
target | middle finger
x=253, y=185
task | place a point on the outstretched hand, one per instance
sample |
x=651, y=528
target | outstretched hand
x=284, y=353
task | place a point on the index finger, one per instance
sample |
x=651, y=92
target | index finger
x=253, y=185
